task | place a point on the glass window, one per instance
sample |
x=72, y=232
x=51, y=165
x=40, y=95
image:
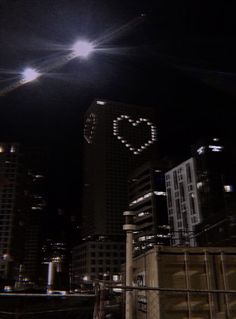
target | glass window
x=182, y=192
x=175, y=180
x=169, y=199
x=189, y=175
x=192, y=203
x=178, y=210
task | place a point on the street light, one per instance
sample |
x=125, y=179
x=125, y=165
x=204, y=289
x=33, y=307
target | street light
x=82, y=48
x=30, y=74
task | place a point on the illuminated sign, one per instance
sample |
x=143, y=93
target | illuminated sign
x=89, y=128
x=201, y=150
x=135, y=150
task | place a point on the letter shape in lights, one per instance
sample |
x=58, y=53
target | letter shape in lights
x=89, y=128
x=142, y=147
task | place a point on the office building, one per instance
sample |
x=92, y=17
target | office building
x=22, y=206
x=183, y=202
x=118, y=138
x=174, y=270
x=54, y=259
x=215, y=178
x=96, y=260
x=201, y=197
x=9, y=167
x=32, y=203
x=147, y=198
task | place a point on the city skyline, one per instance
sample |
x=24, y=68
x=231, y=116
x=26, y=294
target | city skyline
x=189, y=93
x=174, y=58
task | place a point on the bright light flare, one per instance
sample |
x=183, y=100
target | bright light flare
x=29, y=75
x=82, y=48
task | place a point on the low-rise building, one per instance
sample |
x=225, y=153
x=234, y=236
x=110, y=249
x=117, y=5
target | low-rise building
x=97, y=260
x=191, y=283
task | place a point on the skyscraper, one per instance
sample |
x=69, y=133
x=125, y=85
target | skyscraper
x=216, y=188
x=32, y=204
x=22, y=204
x=9, y=165
x=118, y=138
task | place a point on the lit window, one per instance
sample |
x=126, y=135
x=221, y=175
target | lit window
x=215, y=148
x=36, y=208
x=228, y=188
x=12, y=149
x=199, y=184
x=38, y=176
x=101, y=102
x=1, y=149
x=160, y=193
x=140, y=199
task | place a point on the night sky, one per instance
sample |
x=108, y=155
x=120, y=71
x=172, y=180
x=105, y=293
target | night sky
x=179, y=58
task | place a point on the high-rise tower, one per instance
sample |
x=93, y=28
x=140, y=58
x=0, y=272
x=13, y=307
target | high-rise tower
x=118, y=138
x=9, y=167
x=22, y=207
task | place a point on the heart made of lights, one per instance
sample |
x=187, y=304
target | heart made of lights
x=134, y=150
x=89, y=128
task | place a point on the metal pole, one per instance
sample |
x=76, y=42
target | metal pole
x=51, y=269
x=129, y=275
x=129, y=227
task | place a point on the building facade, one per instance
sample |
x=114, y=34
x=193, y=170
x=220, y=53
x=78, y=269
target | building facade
x=96, y=260
x=147, y=198
x=31, y=206
x=184, y=210
x=201, y=197
x=9, y=168
x=22, y=210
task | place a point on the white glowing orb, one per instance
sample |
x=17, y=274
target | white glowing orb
x=153, y=132
x=82, y=48
x=30, y=74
